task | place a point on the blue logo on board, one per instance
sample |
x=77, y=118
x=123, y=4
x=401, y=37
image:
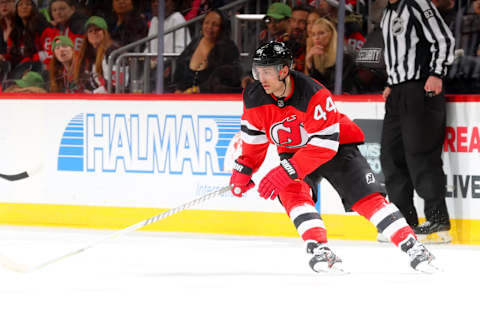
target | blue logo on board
x=147, y=143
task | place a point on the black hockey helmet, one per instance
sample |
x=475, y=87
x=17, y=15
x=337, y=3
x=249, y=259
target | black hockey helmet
x=272, y=54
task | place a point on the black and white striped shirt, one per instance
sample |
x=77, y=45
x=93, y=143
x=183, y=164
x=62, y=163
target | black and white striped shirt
x=418, y=43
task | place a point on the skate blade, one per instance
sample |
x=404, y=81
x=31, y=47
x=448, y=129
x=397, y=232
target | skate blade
x=382, y=239
x=437, y=237
x=427, y=267
x=336, y=269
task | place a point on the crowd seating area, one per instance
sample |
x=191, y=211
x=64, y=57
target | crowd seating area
x=63, y=46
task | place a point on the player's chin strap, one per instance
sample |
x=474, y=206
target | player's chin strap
x=284, y=80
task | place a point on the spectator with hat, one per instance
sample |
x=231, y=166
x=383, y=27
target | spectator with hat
x=65, y=21
x=91, y=68
x=31, y=82
x=61, y=66
x=277, y=21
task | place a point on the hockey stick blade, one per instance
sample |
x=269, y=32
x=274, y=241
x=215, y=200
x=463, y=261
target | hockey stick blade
x=15, y=177
x=21, y=175
x=9, y=264
x=13, y=266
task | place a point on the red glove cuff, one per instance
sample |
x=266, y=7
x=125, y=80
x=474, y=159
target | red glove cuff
x=291, y=168
x=241, y=179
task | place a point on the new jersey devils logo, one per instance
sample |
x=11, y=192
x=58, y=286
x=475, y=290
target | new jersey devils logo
x=289, y=133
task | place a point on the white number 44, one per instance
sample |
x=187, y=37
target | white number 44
x=320, y=114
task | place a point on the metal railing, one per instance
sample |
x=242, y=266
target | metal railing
x=118, y=56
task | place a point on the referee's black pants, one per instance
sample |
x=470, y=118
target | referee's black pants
x=411, y=149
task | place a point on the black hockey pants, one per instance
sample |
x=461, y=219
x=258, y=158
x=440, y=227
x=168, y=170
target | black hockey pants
x=411, y=148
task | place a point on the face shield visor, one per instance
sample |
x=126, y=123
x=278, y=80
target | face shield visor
x=267, y=71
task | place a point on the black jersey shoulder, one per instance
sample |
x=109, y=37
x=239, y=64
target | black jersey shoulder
x=255, y=96
x=304, y=89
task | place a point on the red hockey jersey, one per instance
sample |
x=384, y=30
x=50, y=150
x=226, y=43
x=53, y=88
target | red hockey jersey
x=74, y=30
x=306, y=123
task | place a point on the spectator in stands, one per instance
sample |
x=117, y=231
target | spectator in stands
x=476, y=10
x=446, y=10
x=194, y=8
x=42, y=4
x=91, y=69
x=298, y=22
x=62, y=65
x=376, y=11
x=312, y=16
x=327, y=9
x=277, y=21
x=172, y=18
x=198, y=67
x=24, y=40
x=354, y=35
x=129, y=26
x=174, y=42
x=90, y=8
x=464, y=74
x=31, y=82
x=65, y=21
x=7, y=14
x=321, y=58
x=471, y=30
x=298, y=36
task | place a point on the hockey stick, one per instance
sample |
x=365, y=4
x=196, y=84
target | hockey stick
x=12, y=265
x=21, y=175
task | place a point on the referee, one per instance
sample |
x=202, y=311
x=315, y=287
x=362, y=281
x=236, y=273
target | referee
x=418, y=48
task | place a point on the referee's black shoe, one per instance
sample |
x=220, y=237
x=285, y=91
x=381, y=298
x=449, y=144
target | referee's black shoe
x=429, y=227
x=433, y=232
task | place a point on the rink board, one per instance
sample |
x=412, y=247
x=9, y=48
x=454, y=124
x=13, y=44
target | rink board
x=111, y=161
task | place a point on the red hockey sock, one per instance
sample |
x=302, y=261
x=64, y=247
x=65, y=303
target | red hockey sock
x=385, y=216
x=308, y=222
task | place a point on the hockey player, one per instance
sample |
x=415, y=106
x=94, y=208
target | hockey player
x=314, y=140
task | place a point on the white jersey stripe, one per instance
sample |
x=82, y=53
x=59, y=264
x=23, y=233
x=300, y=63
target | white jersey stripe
x=253, y=139
x=334, y=128
x=323, y=143
x=249, y=125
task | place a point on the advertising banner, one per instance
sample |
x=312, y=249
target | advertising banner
x=159, y=153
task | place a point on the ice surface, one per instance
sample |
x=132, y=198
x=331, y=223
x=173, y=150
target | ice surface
x=147, y=275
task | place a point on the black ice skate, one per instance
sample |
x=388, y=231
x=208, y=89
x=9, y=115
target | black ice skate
x=324, y=260
x=420, y=258
x=433, y=232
